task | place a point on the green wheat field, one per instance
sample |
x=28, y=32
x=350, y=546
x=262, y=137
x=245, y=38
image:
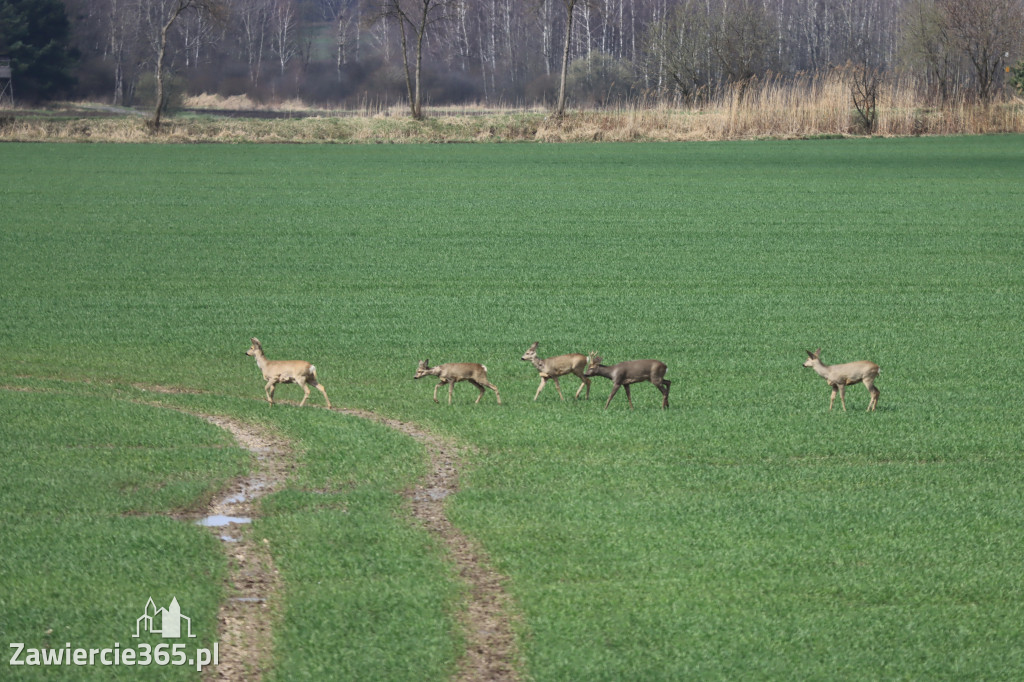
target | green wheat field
x=744, y=533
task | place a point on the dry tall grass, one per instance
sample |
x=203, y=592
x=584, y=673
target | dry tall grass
x=812, y=106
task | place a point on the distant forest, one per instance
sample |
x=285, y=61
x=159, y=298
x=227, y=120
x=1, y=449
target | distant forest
x=349, y=53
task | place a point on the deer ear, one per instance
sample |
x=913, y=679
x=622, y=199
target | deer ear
x=809, y=353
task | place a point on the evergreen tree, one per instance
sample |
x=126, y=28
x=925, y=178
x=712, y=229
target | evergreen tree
x=36, y=35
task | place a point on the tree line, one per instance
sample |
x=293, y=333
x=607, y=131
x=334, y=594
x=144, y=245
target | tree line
x=352, y=53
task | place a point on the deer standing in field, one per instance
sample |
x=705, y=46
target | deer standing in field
x=560, y=365
x=452, y=373
x=841, y=376
x=630, y=372
x=285, y=372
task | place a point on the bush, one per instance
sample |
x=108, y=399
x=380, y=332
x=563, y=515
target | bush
x=1017, y=77
x=599, y=80
x=174, y=92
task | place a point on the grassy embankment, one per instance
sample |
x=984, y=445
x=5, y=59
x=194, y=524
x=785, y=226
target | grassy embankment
x=773, y=108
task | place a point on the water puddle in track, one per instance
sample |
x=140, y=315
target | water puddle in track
x=245, y=617
x=219, y=520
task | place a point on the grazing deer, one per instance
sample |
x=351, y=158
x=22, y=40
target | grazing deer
x=285, y=372
x=630, y=372
x=452, y=373
x=841, y=376
x=560, y=365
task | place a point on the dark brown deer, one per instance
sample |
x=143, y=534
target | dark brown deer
x=453, y=372
x=630, y=372
x=285, y=372
x=841, y=376
x=560, y=365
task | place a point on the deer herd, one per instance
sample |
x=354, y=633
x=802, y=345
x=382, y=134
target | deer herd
x=584, y=367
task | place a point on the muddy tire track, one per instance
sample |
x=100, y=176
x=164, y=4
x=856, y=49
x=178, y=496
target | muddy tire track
x=246, y=617
x=488, y=618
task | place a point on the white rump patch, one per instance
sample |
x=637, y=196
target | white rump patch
x=485, y=368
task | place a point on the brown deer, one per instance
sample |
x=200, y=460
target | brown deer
x=560, y=365
x=285, y=372
x=452, y=373
x=630, y=372
x=841, y=376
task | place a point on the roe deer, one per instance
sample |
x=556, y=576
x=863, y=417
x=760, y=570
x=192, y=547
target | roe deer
x=453, y=372
x=841, y=376
x=560, y=365
x=285, y=372
x=630, y=372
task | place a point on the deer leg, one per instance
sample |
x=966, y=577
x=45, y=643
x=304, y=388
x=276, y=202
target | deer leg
x=540, y=388
x=629, y=397
x=305, y=391
x=477, y=384
x=481, y=385
x=269, y=390
x=832, y=400
x=586, y=382
x=615, y=387
x=437, y=387
x=664, y=387
x=842, y=395
x=874, y=394
x=320, y=387
x=495, y=389
x=324, y=391
x=559, y=389
x=451, y=387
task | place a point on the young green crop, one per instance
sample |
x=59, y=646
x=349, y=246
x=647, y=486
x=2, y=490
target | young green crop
x=90, y=488
x=744, y=532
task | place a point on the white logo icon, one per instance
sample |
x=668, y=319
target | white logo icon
x=165, y=622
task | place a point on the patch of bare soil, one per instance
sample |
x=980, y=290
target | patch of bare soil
x=253, y=585
x=167, y=390
x=491, y=651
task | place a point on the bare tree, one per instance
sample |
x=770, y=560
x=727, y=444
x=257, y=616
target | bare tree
x=865, y=80
x=168, y=12
x=414, y=16
x=677, y=51
x=742, y=36
x=928, y=45
x=986, y=31
x=570, y=6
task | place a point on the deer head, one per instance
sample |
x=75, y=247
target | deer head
x=421, y=370
x=593, y=360
x=812, y=357
x=531, y=352
x=254, y=348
